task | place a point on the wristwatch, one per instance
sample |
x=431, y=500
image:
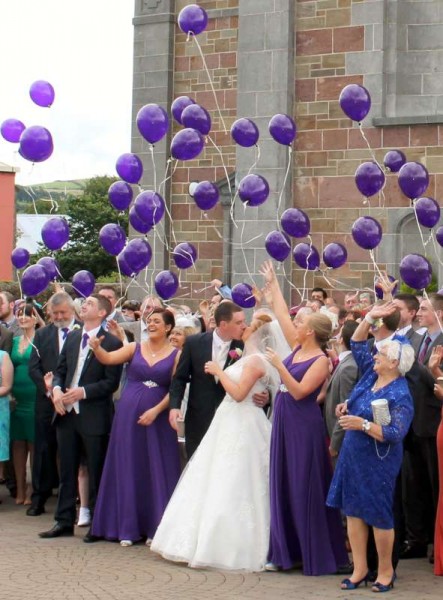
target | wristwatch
x=366, y=426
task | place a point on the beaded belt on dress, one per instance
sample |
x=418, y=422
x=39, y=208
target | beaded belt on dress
x=283, y=388
x=150, y=384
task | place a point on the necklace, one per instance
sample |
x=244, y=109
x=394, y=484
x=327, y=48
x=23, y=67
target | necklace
x=154, y=354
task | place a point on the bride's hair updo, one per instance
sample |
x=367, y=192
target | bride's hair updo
x=322, y=327
x=260, y=319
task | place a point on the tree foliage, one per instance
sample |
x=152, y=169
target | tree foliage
x=87, y=214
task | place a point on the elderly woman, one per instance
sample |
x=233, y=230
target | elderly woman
x=371, y=455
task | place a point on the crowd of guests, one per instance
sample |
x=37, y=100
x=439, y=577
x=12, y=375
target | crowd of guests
x=303, y=417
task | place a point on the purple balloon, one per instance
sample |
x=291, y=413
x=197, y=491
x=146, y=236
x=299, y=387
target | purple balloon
x=129, y=167
x=51, y=265
x=369, y=178
x=11, y=130
x=20, y=258
x=179, y=105
x=413, y=179
x=416, y=271
x=335, y=255
x=196, y=117
x=36, y=144
x=306, y=256
x=112, y=238
x=253, y=190
x=355, y=101
x=192, y=19
x=83, y=283
x=152, y=122
x=35, y=280
x=379, y=291
x=394, y=160
x=283, y=129
x=187, y=144
x=42, y=93
x=125, y=269
x=166, y=284
x=367, y=232
x=427, y=211
x=55, y=233
x=184, y=255
x=206, y=195
x=439, y=235
x=137, y=223
x=278, y=245
x=120, y=195
x=295, y=222
x=149, y=207
x=245, y=132
x=242, y=295
x=138, y=254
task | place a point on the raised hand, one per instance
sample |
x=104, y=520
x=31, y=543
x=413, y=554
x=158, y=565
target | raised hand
x=383, y=310
x=436, y=358
x=95, y=342
x=273, y=358
x=267, y=270
x=117, y=330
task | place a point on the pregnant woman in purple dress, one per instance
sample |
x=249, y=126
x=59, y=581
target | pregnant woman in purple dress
x=142, y=463
x=303, y=528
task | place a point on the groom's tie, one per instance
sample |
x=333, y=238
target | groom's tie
x=222, y=355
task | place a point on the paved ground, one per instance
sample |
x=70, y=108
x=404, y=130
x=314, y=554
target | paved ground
x=68, y=569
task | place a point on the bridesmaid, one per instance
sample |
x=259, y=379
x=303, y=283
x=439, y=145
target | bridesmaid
x=24, y=392
x=434, y=364
x=142, y=464
x=303, y=528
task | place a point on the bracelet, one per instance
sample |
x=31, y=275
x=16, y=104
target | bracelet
x=369, y=319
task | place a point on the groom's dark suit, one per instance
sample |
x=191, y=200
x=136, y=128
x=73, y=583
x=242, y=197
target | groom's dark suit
x=88, y=430
x=205, y=394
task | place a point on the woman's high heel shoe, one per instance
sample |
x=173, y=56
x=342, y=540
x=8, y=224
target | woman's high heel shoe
x=347, y=584
x=381, y=587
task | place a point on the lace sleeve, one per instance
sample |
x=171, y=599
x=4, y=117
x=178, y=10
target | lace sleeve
x=402, y=411
x=362, y=356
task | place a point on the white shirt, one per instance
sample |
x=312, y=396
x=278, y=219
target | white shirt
x=144, y=334
x=343, y=355
x=82, y=356
x=404, y=330
x=220, y=349
x=61, y=335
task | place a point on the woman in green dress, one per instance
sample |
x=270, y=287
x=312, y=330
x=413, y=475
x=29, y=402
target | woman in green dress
x=24, y=392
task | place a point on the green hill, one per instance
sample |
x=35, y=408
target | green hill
x=57, y=190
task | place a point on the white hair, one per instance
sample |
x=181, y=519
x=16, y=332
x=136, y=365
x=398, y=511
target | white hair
x=404, y=353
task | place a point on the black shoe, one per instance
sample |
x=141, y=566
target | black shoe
x=414, y=551
x=35, y=511
x=89, y=538
x=347, y=569
x=57, y=531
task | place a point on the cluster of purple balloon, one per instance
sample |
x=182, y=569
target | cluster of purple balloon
x=295, y=223
x=35, y=142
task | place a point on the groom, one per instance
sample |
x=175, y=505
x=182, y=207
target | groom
x=222, y=345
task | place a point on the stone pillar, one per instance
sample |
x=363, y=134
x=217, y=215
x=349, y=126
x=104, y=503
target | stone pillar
x=154, y=23
x=265, y=87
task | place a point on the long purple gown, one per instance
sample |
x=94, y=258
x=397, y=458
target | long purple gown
x=142, y=464
x=303, y=528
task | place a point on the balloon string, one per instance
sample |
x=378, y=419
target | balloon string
x=382, y=198
x=280, y=196
x=209, y=78
x=223, y=163
x=135, y=283
x=257, y=158
x=171, y=224
x=424, y=243
x=119, y=277
x=376, y=267
x=254, y=164
x=166, y=178
x=154, y=170
x=19, y=285
x=242, y=245
x=30, y=191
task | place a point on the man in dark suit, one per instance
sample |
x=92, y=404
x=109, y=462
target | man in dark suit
x=408, y=306
x=82, y=397
x=47, y=345
x=115, y=314
x=340, y=386
x=420, y=467
x=223, y=345
x=5, y=339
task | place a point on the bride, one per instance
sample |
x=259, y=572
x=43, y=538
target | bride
x=219, y=515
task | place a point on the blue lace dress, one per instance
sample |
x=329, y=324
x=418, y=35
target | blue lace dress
x=364, y=480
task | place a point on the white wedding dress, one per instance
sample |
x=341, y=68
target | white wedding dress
x=219, y=513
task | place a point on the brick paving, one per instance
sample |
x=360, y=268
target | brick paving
x=68, y=569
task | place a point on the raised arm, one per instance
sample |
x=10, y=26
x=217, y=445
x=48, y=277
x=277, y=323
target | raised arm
x=117, y=357
x=278, y=303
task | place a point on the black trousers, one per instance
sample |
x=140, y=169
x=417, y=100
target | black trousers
x=420, y=489
x=44, y=468
x=73, y=444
